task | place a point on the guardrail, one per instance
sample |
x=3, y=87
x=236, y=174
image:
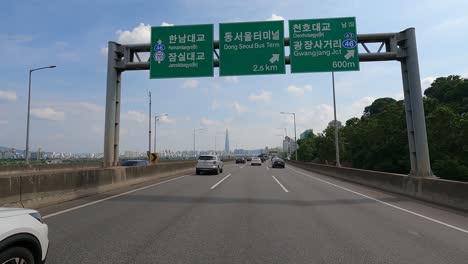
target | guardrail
x=51, y=187
x=447, y=193
x=56, y=166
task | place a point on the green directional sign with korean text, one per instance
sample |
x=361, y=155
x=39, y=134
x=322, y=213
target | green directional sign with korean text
x=181, y=51
x=251, y=48
x=323, y=45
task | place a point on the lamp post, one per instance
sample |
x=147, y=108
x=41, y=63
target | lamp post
x=337, y=147
x=295, y=137
x=195, y=130
x=285, y=135
x=29, y=108
x=156, y=119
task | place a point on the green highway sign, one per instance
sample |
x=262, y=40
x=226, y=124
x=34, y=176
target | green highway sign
x=323, y=45
x=181, y=51
x=251, y=48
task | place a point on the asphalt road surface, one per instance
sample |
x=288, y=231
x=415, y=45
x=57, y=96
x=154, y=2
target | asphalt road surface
x=255, y=214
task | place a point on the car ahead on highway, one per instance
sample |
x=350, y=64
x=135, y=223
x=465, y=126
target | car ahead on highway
x=209, y=163
x=277, y=163
x=135, y=163
x=249, y=158
x=23, y=236
x=240, y=160
x=256, y=161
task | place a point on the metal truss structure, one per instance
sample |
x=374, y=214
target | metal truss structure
x=399, y=46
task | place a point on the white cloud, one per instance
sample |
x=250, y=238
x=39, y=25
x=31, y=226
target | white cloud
x=296, y=90
x=208, y=122
x=166, y=24
x=139, y=34
x=238, y=107
x=399, y=96
x=167, y=120
x=263, y=96
x=191, y=84
x=188, y=118
x=357, y=108
x=231, y=79
x=8, y=95
x=315, y=117
x=48, y=113
x=275, y=17
x=134, y=116
x=363, y=102
x=426, y=82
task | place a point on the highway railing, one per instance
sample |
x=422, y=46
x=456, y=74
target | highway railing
x=447, y=193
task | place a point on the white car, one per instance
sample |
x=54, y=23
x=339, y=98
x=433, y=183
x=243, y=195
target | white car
x=256, y=161
x=23, y=236
x=209, y=163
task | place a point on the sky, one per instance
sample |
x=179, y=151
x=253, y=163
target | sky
x=67, y=103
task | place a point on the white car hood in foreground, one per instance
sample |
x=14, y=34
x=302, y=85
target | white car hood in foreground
x=8, y=212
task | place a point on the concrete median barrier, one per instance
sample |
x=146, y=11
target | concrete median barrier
x=46, y=188
x=447, y=193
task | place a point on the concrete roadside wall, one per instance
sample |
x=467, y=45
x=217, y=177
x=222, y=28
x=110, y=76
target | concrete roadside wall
x=42, y=167
x=46, y=188
x=452, y=194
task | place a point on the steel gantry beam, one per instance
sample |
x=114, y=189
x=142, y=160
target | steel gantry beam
x=398, y=46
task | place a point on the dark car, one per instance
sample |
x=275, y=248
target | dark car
x=277, y=163
x=262, y=158
x=133, y=163
x=240, y=160
x=249, y=158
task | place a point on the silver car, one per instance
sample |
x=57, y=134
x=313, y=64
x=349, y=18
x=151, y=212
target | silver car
x=209, y=163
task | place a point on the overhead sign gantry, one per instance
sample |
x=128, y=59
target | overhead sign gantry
x=189, y=53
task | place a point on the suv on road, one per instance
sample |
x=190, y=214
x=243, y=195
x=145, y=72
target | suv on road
x=23, y=236
x=209, y=163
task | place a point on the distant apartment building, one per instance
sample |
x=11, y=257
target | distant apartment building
x=289, y=145
x=306, y=133
x=332, y=124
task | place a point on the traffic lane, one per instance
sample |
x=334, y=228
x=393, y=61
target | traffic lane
x=113, y=230
x=383, y=233
x=229, y=225
x=52, y=209
x=444, y=214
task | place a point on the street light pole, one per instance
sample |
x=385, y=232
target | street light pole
x=156, y=119
x=194, y=132
x=295, y=135
x=285, y=135
x=149, y=126
x=337, y=147
x=29, y=109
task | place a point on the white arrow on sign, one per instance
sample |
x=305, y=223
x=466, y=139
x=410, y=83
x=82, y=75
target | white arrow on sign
x=349, y=54
x=274, y=57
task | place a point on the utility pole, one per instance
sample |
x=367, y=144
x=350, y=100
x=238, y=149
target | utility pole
x=149, y=125
x=337, y=147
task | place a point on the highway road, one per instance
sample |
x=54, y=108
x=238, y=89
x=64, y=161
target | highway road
x=254, y=215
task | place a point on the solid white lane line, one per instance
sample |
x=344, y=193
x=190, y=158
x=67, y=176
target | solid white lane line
x=111, y=197
x=385, y=203
x=267, y=167
x=242, y=167
x=214, y=186
x=286, y=190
